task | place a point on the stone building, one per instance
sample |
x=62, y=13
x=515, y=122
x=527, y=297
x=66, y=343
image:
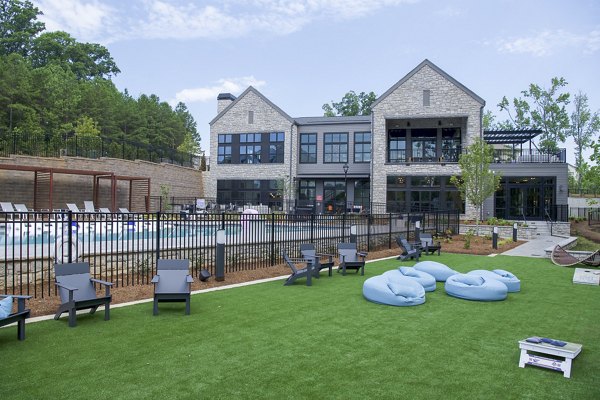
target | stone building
x=400, y=158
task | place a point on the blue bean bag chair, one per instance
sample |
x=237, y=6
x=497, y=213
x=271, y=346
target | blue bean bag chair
x=474, y=287
x=512, y=282
x=426, y=280
x=439, y=271
x=402, y=291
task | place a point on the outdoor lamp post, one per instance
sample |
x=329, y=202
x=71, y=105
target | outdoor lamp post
x=345, y=167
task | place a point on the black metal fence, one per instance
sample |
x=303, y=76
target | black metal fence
x=93, y=147
x=123, y=248
x=593, y=217
x=581, y=212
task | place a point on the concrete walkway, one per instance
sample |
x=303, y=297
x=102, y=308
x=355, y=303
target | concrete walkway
x=537, y=247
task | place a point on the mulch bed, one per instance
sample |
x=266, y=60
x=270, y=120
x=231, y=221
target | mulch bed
x=479, y=246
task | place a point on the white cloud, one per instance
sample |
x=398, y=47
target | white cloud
x=228, y=85
x=88, y=20
x=449, y=12
x=549, y=42
x=180, y=19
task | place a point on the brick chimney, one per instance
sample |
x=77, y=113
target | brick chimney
x=224, y=100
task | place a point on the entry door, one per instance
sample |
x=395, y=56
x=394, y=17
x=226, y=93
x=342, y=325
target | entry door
x=525, y=200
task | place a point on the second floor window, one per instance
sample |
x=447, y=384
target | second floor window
x=250, y=148
x=308, y=148
x=336, y=148
x=397, y=145
x=362, y=147
x=276, y=151
x=224, y=149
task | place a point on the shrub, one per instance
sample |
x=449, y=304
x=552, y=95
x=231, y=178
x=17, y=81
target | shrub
x=468, y=236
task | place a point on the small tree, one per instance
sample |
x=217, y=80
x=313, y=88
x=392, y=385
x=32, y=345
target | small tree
x=477, y=182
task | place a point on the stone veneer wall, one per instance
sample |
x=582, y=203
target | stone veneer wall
x=17, y=186
x=266, y=119
x=523, y=233
x=447, y=101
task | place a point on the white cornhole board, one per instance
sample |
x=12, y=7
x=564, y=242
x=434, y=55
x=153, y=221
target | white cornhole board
x=586, y=276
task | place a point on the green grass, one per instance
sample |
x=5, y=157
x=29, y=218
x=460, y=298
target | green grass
x=324, y=341
x=584, y=244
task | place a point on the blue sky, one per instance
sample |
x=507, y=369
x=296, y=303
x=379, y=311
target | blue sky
x=304, y=53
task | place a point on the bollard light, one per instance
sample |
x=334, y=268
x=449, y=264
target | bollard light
x=495, y=237
x=515, y=225
x=353, y=233
x=220, y=256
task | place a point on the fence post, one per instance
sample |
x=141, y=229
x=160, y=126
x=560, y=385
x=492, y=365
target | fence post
x=312, y=227
x=223, y=220
x=157, y=235
x=14, y=143
x=70, y=236
x=369, y=217
x=390, y=231
x=272, y=239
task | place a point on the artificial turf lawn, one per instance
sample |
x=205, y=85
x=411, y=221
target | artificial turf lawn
x=324, y=341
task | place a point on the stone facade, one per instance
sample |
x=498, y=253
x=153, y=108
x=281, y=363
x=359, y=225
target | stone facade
x=450, y=103
x=266, y=118
x=427, y=98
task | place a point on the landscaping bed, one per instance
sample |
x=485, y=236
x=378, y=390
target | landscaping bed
x=124, y=294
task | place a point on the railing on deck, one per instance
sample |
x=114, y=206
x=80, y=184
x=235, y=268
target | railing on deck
x=529, y=156
x=123, y=248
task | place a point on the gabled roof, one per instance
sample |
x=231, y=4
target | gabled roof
x=357, y=119
x=259, y=94
x=437, y=69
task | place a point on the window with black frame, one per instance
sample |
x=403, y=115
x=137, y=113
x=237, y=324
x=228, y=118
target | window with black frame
x=424, y=145
x=451, y=144
x=362, y=147
x=335, y=148
x=250, y=148
x=224, y=149
x=308, y=148
x=396, y=145
x=276, y=147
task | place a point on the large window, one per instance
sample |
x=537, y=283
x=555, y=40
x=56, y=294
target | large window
x=334, y=195
x=451, y=146
x=250, y=148
x=422, y=193
x=276, y=149
x=224, y=149
x=397, y=145
x=336, y=148
x=362, y=193
x=307, y=190
x=251, y=191
x=424, y=145
x=308, y=148
x=362, y=147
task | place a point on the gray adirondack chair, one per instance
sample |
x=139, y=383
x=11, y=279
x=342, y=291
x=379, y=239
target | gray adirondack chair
x=428, y=245
x=298, y=272
x=19, y=316
x=77, y=292
x=408, y=250
x=320, y=261
x=351, y=258
x=172, y=283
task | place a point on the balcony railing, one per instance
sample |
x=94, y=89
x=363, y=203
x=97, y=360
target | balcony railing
x=450, y=154
x=529, y=156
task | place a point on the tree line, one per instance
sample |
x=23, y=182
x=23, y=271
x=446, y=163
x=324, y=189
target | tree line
x=53, y=86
